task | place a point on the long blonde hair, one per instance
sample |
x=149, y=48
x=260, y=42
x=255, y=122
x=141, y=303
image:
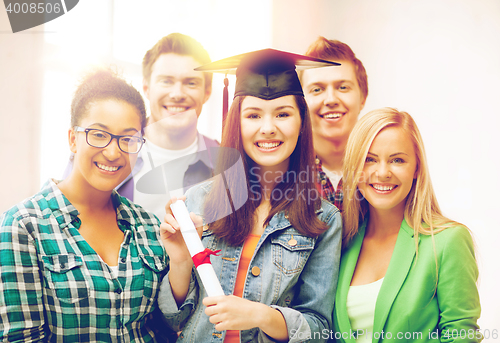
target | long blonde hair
x=422, y=212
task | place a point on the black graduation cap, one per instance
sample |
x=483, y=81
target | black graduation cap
x=267, y=74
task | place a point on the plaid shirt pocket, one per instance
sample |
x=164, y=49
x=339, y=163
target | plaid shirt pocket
x=65, y=281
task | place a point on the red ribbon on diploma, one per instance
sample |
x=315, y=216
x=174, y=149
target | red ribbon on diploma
x=203, y=257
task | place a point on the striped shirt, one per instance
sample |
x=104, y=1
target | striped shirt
x=55, y=288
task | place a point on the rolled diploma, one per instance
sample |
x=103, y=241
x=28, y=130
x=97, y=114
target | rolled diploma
x=194, y=245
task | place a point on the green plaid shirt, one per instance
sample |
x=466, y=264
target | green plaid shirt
x=55, y=288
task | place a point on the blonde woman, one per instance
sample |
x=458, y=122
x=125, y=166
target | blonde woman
x=408, y=273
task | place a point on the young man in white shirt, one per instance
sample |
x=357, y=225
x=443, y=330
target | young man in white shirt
x=176, y=94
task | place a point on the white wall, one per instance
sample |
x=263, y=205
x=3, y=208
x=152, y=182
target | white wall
x=20, y=96
x=436, y=59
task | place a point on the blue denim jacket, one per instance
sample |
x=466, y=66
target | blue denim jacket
x=298, y=280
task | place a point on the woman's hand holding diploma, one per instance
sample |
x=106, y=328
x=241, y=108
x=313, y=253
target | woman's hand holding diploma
x=181, y=263
x=186, y=249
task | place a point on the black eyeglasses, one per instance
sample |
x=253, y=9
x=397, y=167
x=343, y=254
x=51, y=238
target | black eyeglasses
x=100, y=139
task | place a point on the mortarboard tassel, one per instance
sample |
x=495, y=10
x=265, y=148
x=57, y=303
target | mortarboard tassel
x=266, y=74
x=225, y=100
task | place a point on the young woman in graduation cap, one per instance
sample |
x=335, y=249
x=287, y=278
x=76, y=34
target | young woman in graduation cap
x=278, y=243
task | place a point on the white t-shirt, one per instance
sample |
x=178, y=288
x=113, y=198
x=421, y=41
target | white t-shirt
x=333, y=176
x=156, y=202
x=361, y=301
x=113, y=269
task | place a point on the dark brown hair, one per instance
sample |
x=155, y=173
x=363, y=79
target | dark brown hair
x=180, y=44
x=300, y=209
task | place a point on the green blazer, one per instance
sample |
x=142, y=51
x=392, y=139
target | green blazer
x=409, y=307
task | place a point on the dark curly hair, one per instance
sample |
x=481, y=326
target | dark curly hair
x=103, y=84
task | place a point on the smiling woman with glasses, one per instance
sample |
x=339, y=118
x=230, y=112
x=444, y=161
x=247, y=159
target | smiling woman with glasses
x=79, y=262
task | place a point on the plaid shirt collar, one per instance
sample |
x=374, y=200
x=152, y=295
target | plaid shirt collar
x=326, y=188
x=65, y=212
